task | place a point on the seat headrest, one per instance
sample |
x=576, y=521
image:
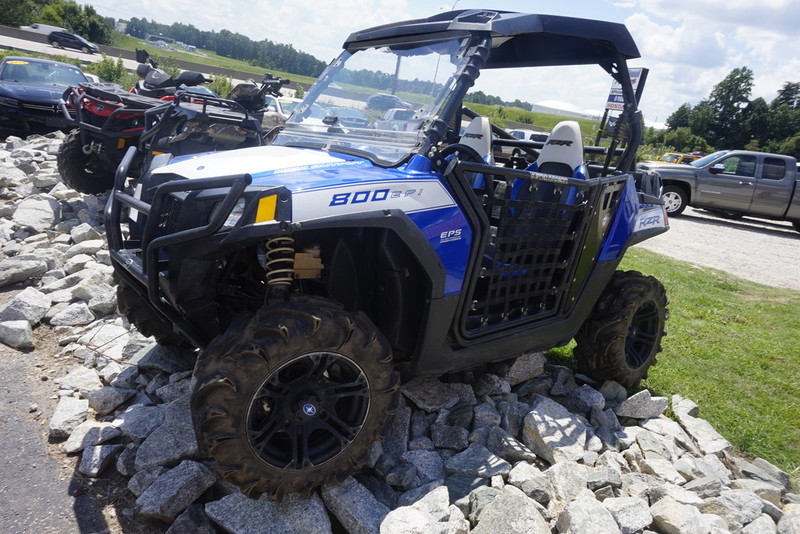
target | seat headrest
x=478, y=136
x=564, y=145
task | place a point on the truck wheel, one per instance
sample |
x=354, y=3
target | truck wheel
x=675, y=200
x=620, y=339
x=142, y=316
x=293, y=397
x=84, y=173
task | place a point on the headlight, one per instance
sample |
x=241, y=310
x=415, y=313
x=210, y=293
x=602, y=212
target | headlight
x=10, y=102
x=235, y=215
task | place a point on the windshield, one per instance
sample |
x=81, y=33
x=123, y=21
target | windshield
x=19, y=70
x=367, y=84
x=702, y=162
x=670, y=158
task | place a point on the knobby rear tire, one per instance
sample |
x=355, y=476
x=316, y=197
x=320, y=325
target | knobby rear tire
x=84, y=173
x=620, y=339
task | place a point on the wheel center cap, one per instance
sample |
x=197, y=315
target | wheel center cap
x=309, y=409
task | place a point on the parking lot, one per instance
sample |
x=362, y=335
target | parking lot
x=767, y=252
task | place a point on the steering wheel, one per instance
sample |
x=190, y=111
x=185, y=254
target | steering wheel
x=468, y=154
x=464, y=153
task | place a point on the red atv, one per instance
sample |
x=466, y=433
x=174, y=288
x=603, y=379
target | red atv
x=107, y=120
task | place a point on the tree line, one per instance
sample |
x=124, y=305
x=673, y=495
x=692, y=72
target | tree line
x=264, y=53
x=82, y=20
x=729, y=119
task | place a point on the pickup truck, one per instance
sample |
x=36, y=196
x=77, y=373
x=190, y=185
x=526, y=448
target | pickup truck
x=734, y=182
x=399, y=119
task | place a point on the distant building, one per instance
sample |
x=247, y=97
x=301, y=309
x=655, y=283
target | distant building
x=121, y=26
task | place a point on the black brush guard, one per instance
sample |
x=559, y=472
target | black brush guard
x=139, y=266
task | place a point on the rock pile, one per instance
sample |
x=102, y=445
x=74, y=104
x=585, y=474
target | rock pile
x=519, y=447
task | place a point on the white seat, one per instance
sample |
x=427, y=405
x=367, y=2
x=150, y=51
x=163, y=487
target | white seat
x=562, y=154
x=478, y=136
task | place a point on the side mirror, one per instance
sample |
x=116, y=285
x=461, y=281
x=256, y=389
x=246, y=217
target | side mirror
x=142, y=56
x=717, y=168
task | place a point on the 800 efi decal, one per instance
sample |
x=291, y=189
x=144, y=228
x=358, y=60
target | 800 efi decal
x=403, y=195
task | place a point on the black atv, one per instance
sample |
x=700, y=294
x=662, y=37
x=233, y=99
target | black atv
x=315, y=271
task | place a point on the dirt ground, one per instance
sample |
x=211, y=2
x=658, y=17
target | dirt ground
x=40, y=489
x=767, y=252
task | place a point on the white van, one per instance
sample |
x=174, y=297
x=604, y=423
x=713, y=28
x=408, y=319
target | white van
x=42, y=28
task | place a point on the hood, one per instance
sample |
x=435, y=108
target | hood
x=32, y=92
x=268, y=165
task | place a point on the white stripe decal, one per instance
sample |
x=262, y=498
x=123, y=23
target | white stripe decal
x=407, y=196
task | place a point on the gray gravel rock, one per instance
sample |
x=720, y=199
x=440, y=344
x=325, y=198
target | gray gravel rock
x=354, y=506
x=193, y=521
x=642, y=405
x=511, y=512
x=69, y=413
x=553, y=432
x=237, y=513
x=17, y=334
x=587, y=515
x=14, y=270
x=174, y=491
x=96, y=458
x=106, y=399
x=172, y=440
x=672, y=517
x=429, y=394
x=89, y=433
x=29, y=305
x=138, y=421
x=478, y=461
x=632, y=515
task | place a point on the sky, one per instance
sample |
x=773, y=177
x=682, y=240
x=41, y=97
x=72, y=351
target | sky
x=687, y=45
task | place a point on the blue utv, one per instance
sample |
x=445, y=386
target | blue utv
x=314, y=272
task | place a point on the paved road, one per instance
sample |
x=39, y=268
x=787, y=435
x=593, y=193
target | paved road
x=763, y=251
x=31, y=46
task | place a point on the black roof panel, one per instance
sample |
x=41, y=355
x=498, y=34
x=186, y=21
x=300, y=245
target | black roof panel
x=519, y=39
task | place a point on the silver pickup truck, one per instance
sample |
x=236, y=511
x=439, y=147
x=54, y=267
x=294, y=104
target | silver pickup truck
x=735, y=182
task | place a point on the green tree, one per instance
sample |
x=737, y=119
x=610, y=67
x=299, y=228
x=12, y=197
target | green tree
x=17, y=12
x=221, y=85
x=791, y=146
x=789, y=94
x=701, y=118
x=756, y=122
x=680, y=117
x=683, y=140
x=728, y=100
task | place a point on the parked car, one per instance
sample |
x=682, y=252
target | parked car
x=285, y=105
x=674, y=157
x=30, y=91
x=399, y=119
x=384, y=102
x=44, y=29
x=734, y=183
x=349, y=117
x=70, y=40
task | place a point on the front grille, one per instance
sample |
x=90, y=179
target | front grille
x=40, y=109
x=537, y=229
x=168, y=218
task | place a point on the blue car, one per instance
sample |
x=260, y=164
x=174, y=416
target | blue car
x=30, y=90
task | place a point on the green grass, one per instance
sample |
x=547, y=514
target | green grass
x=733, y=347
x=543, y=120
x=205, y=57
